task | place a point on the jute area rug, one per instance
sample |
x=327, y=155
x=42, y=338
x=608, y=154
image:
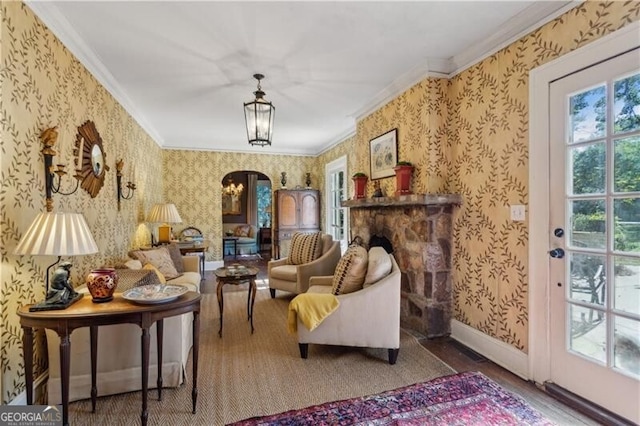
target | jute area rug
x=243, y=375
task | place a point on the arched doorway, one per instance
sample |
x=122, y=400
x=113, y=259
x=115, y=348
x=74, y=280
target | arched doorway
x=246, y=214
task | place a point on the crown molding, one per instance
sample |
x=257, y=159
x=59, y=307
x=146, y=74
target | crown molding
x=532, y=18
x=271, y=151
x=401, y=84
x=338, y=140
x=539, y=13
x=60, y=26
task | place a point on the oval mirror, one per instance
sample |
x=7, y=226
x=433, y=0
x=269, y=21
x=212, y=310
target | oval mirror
x=97, y=160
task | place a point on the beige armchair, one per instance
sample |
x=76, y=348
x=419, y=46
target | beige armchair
x=295, y=278
x=365, y=318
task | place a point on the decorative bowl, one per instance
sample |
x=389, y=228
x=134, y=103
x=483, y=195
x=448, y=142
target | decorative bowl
x=154, y=293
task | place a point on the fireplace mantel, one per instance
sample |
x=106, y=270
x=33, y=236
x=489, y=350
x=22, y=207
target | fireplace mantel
x=404, y=200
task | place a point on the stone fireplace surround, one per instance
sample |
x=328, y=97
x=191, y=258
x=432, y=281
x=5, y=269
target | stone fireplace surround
x=420, y=228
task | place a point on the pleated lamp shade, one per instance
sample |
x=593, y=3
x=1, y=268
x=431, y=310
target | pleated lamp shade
x=57, y=234
x=165, y=214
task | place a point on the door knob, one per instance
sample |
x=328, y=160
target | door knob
x=557, y=253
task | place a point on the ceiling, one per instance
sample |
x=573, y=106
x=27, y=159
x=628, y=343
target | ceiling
x=184, y=69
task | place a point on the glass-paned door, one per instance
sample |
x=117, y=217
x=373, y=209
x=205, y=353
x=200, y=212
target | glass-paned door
x=337, y=219
x=595, y=234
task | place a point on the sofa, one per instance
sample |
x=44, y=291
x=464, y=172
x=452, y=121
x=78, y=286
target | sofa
x=119, y=359
x=368, y=315
x=247, y=235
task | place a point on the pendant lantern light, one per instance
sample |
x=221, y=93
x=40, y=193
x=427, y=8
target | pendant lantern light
x=259, y=117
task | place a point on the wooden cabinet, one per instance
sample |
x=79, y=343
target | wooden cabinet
x=296, y=210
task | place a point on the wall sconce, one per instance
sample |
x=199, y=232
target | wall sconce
x=131, y=187
x=49, y=138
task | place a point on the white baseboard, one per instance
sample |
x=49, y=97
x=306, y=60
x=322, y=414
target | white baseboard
x=21, y=399
x=497, y=351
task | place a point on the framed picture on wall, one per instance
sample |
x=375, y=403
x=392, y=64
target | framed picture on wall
x=230, y=204
x=383, y=154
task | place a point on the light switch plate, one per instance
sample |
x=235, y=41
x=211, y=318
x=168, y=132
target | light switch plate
x=517, y=212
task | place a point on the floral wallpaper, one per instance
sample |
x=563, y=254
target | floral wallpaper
x=43, y=86
x=489, y=133
x=420, y=115
x=192, y=182
x=467, y=134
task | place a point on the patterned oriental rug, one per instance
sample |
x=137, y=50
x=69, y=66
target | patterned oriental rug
x=468, y=398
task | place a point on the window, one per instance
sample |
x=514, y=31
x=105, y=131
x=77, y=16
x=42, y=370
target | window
x=337, y=219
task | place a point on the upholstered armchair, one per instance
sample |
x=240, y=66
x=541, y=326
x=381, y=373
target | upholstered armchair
x=289, y=274
x=369, y=317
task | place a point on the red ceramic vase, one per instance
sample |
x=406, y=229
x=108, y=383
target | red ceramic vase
x=360, y=184
x=403, y=179
x=101, y=284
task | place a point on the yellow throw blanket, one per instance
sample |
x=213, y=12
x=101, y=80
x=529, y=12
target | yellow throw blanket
x=312, y=308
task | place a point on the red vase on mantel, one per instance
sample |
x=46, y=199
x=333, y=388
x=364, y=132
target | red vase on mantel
x=360, y=184
x=403, y=179
x=101, y=284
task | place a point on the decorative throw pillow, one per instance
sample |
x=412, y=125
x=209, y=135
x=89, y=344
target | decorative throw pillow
x=305, y=248
x=351, y=270
x=150, y=267
x=242, y=230
x=133, y=264
x=129, y=278
x=161, y=259
x=133, y=254
x=379, y=265
x=176, y=257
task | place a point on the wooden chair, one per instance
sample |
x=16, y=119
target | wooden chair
x=191, y=233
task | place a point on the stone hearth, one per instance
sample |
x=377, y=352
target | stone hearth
x=420, y=228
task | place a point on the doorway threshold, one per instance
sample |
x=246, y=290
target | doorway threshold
x=586, y=407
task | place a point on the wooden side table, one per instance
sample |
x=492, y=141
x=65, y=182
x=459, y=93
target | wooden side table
x=237, y=276
x=85, y=313
x=234, y=241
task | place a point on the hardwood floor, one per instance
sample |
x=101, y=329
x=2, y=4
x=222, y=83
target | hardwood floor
x=462, y=359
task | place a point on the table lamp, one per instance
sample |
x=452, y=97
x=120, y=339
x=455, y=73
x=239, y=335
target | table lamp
x=57, y=234
x=164, y=214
